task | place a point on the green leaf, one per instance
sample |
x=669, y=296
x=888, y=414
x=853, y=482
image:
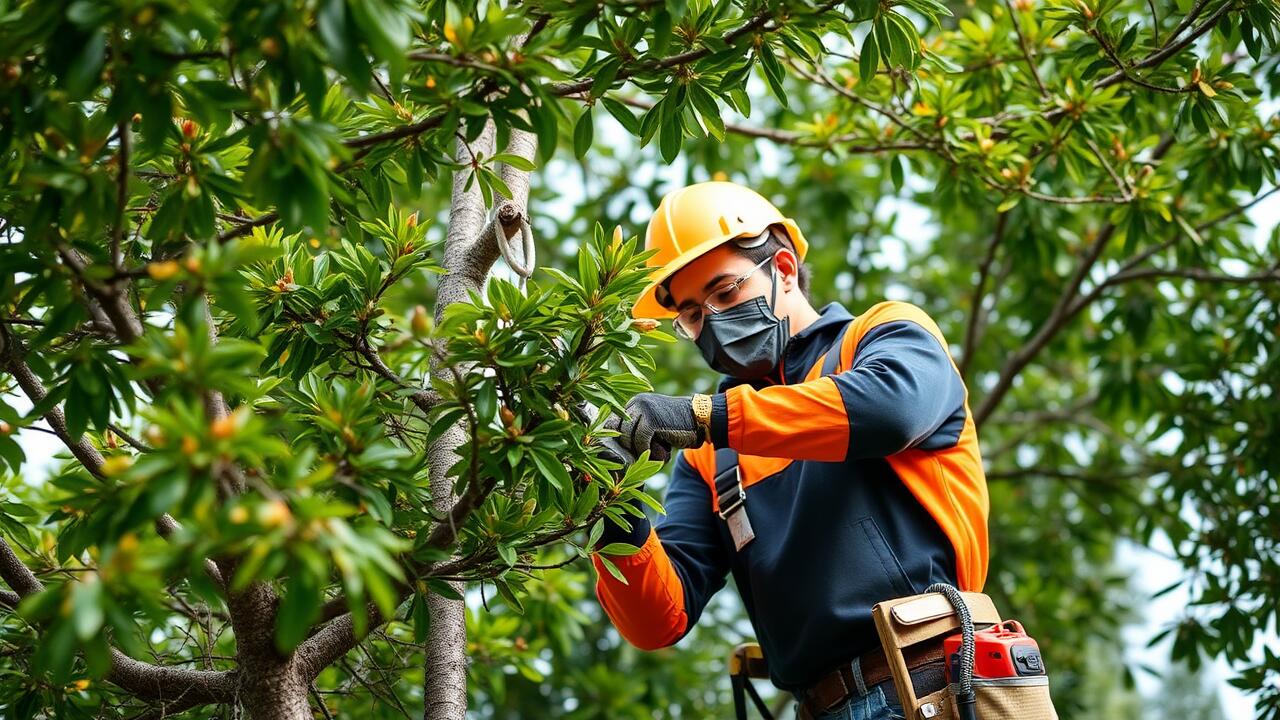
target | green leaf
x=504, y=589
x=85, y=66
x=612, y=569
x=86, y=607
x=298, y=610
x=773, y=73
x=897, y=169
x=552, y=469
x=622, y=114
x=621, y=549
x=514, y=161
x=583, y=131
x=869, y=61
x=670, y=139
x=706, y=106
x=545, y=126
x=421, y=614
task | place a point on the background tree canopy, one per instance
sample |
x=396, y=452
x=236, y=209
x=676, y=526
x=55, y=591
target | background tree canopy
x=247, y=254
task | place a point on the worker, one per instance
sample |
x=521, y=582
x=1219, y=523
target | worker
x=836, y=466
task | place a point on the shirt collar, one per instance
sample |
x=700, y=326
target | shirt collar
x=831, y=314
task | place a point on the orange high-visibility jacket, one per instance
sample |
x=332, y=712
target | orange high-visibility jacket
x=860, y=486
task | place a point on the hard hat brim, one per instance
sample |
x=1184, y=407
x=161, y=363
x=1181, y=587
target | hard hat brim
x=647, y=305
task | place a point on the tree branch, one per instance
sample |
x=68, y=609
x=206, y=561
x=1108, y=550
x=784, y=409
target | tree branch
x=979, y=292
x=81, y=448
x=335, y=639
x=143, y=680
x=1060, y=314
x=1026, y=51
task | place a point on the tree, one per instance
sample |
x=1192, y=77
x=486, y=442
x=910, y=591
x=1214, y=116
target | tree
x=304, y=419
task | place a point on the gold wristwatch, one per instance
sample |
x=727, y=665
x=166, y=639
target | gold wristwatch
x=702, y=414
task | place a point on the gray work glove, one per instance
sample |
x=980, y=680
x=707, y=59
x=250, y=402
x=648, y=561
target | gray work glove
x=657, y=423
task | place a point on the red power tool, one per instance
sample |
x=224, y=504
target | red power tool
x=1001, y=651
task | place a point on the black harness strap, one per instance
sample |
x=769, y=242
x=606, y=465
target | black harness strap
x=727, y=493
x=831, y=361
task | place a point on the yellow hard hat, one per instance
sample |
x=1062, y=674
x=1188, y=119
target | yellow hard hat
x=696, y=219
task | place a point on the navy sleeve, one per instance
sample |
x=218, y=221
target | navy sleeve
x=690, y=535
x=903, y=391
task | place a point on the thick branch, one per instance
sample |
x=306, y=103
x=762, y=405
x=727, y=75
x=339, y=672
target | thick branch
x=171, y=687
x=331, y=642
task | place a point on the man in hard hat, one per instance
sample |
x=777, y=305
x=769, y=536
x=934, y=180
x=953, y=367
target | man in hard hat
x=836, y=466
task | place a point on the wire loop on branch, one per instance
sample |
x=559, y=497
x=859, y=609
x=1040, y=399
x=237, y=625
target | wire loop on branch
x=523, y=267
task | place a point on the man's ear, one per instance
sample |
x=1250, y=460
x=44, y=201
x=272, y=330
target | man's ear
x=788, y=268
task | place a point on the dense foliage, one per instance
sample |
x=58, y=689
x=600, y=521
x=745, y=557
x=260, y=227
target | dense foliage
x=239, y=287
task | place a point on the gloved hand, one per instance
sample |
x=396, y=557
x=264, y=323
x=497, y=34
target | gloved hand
x=657, y=423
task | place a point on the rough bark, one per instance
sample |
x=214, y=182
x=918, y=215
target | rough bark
x=471, y=249
x=445, y=665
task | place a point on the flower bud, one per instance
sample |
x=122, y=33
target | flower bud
x=420, y=321
x=116, y=464
x=223, y=427
x=275, y=514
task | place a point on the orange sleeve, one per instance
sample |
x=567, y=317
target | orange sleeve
x=648, y=609
x=806, y=421
x=895, y=387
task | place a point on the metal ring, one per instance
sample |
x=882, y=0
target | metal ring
x=526, y=237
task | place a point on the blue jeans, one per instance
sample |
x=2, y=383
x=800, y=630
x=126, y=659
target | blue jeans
x=872, y=706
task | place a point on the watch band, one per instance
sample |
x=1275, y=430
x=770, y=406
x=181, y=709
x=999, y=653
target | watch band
x=702, y=414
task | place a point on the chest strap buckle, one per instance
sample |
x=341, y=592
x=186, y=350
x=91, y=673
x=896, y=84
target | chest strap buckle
x=734, y=498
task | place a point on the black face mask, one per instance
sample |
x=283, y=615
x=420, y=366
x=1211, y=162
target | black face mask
x=747, y=340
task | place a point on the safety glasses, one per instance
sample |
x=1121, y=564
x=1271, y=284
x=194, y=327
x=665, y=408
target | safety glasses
x=689, y=322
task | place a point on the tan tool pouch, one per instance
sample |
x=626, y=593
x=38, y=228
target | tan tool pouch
x=928, y=618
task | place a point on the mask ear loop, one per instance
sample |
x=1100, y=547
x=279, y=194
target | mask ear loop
x=773, y=284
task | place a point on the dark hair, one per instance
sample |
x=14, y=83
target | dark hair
x=778, y=240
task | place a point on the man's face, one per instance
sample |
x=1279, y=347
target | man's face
x=709, y=280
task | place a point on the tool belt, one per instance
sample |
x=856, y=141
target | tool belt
x=854, y=678
x=1013, y=693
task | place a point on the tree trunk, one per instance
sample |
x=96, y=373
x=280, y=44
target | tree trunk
x=471, y=248
x=273, y=686
x=278, y=692
x=445, y=666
